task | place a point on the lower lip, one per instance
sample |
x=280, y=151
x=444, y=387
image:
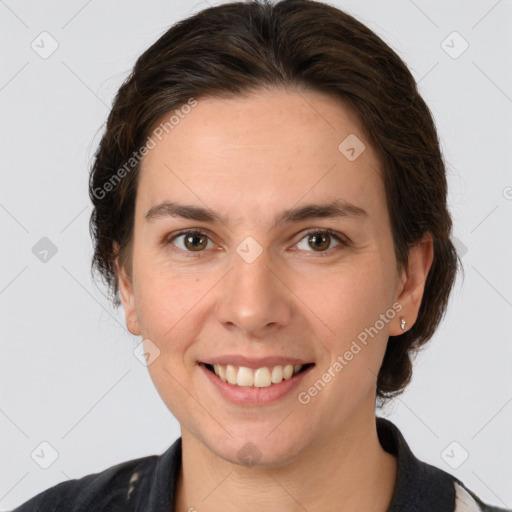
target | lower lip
x=242, y=395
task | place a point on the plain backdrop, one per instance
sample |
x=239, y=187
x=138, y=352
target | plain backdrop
x=68, y=375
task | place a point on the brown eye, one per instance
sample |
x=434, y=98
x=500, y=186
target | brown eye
x=192, y=241
x=320, y=241
x=196, y=242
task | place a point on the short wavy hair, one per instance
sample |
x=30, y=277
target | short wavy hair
x=236, y=48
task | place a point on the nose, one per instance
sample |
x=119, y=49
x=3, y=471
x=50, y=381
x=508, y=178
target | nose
x=253, y=298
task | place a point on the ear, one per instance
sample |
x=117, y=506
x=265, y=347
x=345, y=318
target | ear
x=412, y=283
x=126, y=294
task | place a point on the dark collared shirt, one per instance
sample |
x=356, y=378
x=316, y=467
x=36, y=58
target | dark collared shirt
x=149, y=484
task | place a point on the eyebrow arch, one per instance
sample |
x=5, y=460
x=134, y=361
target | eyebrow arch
x=334, y=209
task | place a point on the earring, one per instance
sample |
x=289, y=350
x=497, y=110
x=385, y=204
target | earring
x=402, y=323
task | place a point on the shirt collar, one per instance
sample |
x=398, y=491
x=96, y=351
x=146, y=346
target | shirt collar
x=419, y=486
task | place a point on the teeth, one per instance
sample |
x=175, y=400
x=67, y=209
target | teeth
x=220, y=371
x=288, y=371
x=259, y=378
x=231, y=374
x=262, y=378
x=245, y=377
x=277, y=374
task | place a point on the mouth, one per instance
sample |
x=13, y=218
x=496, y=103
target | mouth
x=263, y=377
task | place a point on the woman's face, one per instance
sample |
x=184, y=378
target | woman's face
x=263, y=285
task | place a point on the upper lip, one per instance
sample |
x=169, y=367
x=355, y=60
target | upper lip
x=254, y=363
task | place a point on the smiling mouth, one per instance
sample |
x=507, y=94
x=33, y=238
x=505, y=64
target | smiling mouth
x=263, y=377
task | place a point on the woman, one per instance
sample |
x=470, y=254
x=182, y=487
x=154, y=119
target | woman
x=270, y=211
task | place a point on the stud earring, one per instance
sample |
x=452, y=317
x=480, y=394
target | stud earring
x=402, y=323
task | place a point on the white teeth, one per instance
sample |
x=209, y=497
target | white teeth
x=231, y=374
x=277, y=374
x=220, y=371
x=259, y=378
x=288, y=371
x=245, y=377
x=262, y=378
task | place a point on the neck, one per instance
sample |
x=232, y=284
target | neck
x=348, y=471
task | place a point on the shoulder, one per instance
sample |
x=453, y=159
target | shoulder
x=113, y=488
x=468, y=501
x=423, y=487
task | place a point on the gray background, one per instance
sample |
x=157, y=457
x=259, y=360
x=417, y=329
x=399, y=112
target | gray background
x=68, y=375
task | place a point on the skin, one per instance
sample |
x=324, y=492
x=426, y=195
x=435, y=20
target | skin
x=249, y=159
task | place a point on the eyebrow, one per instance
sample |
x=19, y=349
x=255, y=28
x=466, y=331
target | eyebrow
x=335, y=209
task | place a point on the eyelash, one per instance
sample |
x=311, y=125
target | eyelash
x=314, y=231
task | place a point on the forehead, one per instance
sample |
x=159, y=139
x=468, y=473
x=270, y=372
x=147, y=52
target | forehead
x=265, y=151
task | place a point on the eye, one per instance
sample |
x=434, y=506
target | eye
x=320, y=240
x=191, y=241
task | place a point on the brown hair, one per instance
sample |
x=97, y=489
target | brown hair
x=236, y=48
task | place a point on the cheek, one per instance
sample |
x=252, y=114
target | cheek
x=351, y=306
x=166, y=301
x=350, y=302
x=168, y=308
x=348, y=299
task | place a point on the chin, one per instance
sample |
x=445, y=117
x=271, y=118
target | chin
x=256, y=448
